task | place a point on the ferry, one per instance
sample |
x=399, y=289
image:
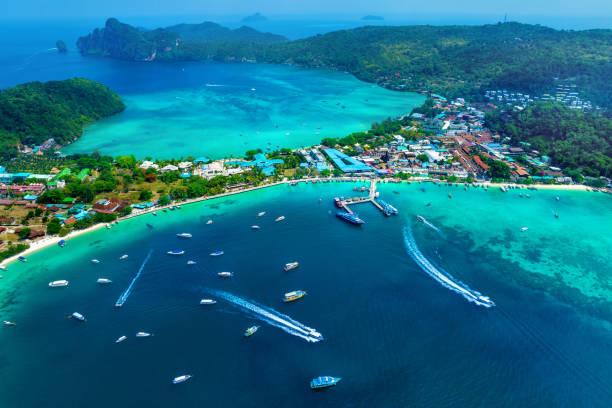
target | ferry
x=388, y=209
x=95, y=261
x=295, y=295
x=181, y=379
x=7, y=323
x=338, y=202
x=62, y=243
x=324, y=382
x=282, y=217
x=78, y=316
x=291, y=265
x=225, y=274
x=120, y=339
x=217, y=253
x=143, y=334
x=123, y=257
x=255, y=227
x=208, y=302
x=58, y=283
x=348, y=217
x=184, y=235
x=22, y=259
x=191, y=262
x=208, y=222
x=250, y=331
x=176, y=252
x=261, y=214
x=104, y=281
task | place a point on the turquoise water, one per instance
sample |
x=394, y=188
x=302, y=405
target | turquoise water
x=394, y=334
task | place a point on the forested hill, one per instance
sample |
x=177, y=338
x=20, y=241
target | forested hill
x=452, y=60
x=34, y=112
x=576, y=141
x=123, y=41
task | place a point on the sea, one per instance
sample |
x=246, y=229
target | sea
x=394, y=301
x=400, y=304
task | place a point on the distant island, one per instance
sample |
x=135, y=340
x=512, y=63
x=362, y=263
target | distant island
x=179, y=42
x=457, y=61
x=372, y=18
x=254, y=18
x=35, y=112
x=61, y=46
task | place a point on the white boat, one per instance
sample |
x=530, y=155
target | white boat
x=95, y=261
x=104, y=281
x=208, y=302
x=176, y=252
x=78, y=316
x=261, y=214
x=216, y=253
x=524, y=229
x=225, y=274
x=7, y=323
x=123, y=257
x=181, y=378
x=58, y=283
x=282, y=217
x=4, y=268
x=120, y=339
x=184, y=235
x=143, y=334
x=255, y=227
x=208, y=222
x=108, y=226
x=191, y=262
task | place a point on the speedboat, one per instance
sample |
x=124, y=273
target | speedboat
x=62, y=243
x=7, y=323
x=191, y=262
x=250, y=331
x=282, y=217
x=58, y=283
x=120, y=339
x=225, y=274
x=95, y=261
x=295, y=295
x=104, y=281
x=348, y=217
x=78, y=316
x=143, y=334
x=154, y=213
x=184, y=235
x=123, y=257
x=291, y=265
x=524, y=229
x=485, y=299
x=261, y=214
x=324, y=382
x=181, y=378
x=3, y=268
x=176, y=252
x=419, y=218
x=208, y=222
x=217, y=253
x=208, y=302
x=108, y=226
x=22, y=259
x=255, y=227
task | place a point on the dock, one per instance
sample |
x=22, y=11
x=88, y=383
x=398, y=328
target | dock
x=358, y=200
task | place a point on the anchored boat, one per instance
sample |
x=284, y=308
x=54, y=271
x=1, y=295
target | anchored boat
x=184, y=235
x=351, y=218
x=208, y=302
x=143, y=334
x=78, y=316
x=291, y=265
x=225, y=274
x=104, y=281
x=58, y=283
x=295, y=295
x=217, y=253
x=282, y=217
x=324, y=382
x=120, y=339
x=176, y=252
x=250, y=331
x=181, y=379
x=62, y=243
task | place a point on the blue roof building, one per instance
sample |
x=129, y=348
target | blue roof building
x=345, y=163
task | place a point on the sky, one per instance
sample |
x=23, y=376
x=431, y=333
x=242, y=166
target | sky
x=26, y=9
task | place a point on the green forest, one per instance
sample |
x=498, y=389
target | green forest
x=580, y=143
x=451, y=60
x=34, y=112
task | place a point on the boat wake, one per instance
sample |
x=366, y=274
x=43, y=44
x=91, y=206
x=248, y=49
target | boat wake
x=430, y=225
x=271, y=316
x=124, y=296
x=441, y=276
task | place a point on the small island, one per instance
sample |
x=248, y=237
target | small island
x=254, y=18
x=372, y=18
x=61, y=46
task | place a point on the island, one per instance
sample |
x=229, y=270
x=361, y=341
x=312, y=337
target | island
x=61, y=46
x=456, y=61
x=51, y=113
x=372, y=18
x=254, y=18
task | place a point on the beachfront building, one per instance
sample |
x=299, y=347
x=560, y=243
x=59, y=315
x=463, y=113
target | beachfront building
x=146, y=165
x=169, y=167
x=347, y=164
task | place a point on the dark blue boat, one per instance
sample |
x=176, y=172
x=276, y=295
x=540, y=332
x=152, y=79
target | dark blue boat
x=388, y=209
x=62, y=243
x=348, y=217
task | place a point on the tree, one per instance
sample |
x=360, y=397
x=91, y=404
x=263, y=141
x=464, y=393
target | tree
x=23, y=233
x=126, y=162
x=165, y=200
x=145, y=195
x=499, y=169
x=126, y=211
x=86, y=193
x=53, y=227
x=51, y=196
x=169, y=177
x=423, y=158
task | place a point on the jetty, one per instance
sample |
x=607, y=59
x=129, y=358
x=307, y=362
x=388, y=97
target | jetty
x=370, y=198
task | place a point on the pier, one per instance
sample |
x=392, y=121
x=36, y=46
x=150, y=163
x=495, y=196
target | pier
x=358, y=200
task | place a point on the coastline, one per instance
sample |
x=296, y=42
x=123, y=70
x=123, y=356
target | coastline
x=48, y=241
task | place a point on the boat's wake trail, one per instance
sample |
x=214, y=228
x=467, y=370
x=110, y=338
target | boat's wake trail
x=441, y=276
x=271, y=316
x=128, y=291
x=430, y=225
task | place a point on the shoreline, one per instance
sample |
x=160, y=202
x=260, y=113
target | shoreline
x=48, y=241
